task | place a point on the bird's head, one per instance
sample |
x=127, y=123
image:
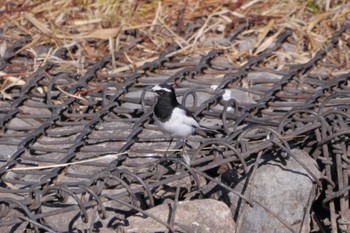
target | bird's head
x=164, y=90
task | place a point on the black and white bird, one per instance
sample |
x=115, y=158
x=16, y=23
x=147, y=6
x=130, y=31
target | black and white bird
x=172, y=118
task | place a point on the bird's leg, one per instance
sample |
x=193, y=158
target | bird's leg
x=171, y=141
x=185, y=156
x=165, y=156
x=164, y=159
x=183, y=145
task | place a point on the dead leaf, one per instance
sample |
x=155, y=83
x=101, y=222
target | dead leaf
x=13, y=82
x=37, y=24
x=268, y=42
x=264, y=32
x=318, y=19
x=103, y=34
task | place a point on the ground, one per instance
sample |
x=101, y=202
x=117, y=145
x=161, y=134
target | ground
x=267, y=76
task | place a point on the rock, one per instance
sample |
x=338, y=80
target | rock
x=263, y=77
x=215, y=41
x=284, y=193
x=71, y=221
x=247, y=44
x=43, y=112
x=26, y=124
x=203, y=216
x=201, y=97
x=238, y=95
x=6, y=151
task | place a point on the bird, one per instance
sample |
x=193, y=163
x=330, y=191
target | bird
x=173, y=119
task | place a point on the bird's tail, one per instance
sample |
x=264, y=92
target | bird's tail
x=206, y=132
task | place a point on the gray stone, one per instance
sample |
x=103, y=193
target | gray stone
x=201, y=97
x=215, y=41
x=279, y=194
x=195, y=216
x=35, y=111
x=71, y=221
x=240, y=96
x=247, y=44
x=6, y=151
x=23, y=124
x=263, y=77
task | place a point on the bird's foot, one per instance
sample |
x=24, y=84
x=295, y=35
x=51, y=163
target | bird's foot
x=168, y=159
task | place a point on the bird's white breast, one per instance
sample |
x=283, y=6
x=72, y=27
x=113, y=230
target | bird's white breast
x=179, y=125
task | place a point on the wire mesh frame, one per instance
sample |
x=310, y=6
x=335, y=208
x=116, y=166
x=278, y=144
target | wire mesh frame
x=106, y=140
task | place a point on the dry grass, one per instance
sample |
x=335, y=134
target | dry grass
x=58, y=23
x=104, y=26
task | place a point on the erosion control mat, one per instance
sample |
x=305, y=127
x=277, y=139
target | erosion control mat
x=79, y=149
